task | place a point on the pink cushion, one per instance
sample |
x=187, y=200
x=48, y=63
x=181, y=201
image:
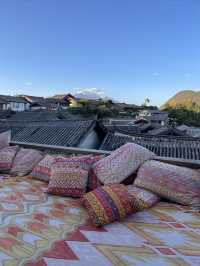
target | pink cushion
x=65, y=181
x=121, y=163
x=142, y=198
x=85, y=161
x=6, y=158
x=5, y=138
x=25, y=160
x=178, y=184
x=42, y=170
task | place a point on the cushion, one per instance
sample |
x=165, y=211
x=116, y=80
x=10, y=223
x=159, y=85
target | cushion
x=142, y=198
x=6, y=158
x=108, y=203
x=25, y=160
x=67, y=181
x=85, y=161
x=93, y=181
x=5, y=138
x=121, y=163
x=42, y=170
x=175, y=183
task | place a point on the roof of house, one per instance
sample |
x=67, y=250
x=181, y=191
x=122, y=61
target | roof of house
x=32, y=99
x=125, y=129
x=176, y=147
x=165, y=130
x=69, y=134
x=8, y=98
x=36, y=116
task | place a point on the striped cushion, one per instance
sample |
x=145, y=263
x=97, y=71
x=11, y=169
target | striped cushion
x=70, y=182
x=108, y=204
x=42, y=170
x=25, y=160
x=6, y=158
x=178, y=184
x=142, y=198
x=121, y=163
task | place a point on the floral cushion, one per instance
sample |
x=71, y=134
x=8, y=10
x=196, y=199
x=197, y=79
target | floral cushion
x=6, y=158
x=178, y=184
x=142, y=198
x=108, y=204
x=70, y=182
x=121, y=163
x=25, y=160
x=42, y=170
x=5, y=138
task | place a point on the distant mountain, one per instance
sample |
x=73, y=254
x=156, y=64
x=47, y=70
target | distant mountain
x=90, y=93
x=187, y=98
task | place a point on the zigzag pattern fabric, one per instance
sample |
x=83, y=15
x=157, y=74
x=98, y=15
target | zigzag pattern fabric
x=121, y=163
x=42, y=171
x=68, y=181
x=6, y=158
x=175, y=183
x=108, y=204
x=142, y=198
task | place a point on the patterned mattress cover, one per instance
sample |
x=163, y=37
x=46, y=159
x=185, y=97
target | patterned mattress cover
x=39, y=230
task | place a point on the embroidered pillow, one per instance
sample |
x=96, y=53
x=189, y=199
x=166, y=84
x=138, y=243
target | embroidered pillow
x=178, y=184
x=121, y=163
x=70, y=182
x=25, y=160
x=6, y=158
x=108, y=204
x=142, y=198
x=5, y=138
x=42, y=170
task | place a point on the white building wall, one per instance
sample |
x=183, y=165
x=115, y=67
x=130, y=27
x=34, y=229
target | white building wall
x=91, y=141
x=17, y=107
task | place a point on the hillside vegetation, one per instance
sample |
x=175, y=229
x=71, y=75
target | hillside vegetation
x=186, y=99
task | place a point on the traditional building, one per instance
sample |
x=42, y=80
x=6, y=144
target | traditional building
x=13, y=103
x=154, y=116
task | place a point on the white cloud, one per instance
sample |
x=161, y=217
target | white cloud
x=88, y=93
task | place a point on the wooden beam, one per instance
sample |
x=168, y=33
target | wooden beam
x=195, y=164
x=72, y=150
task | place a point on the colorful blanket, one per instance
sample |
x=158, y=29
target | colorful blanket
x=40, y=230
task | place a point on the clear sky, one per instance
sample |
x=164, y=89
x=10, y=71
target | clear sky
x=130, y=49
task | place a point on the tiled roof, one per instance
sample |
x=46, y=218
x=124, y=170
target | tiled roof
x=176, y=147
x=164, y=130
x=124, y=129
x=34, y=116
x=69, y=134
x=8, y=98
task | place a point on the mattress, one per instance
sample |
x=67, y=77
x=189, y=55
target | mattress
x=38, y=229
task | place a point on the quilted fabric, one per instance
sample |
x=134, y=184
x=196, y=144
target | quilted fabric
x=5, y=138
x=25, y=160
x=42, y=171
x=178, y=184
x=108, y=204
x=68, y=181
x=121, y=163
x=142, y=198
x=6, y=158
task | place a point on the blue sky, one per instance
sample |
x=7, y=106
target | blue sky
x=129, y=49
